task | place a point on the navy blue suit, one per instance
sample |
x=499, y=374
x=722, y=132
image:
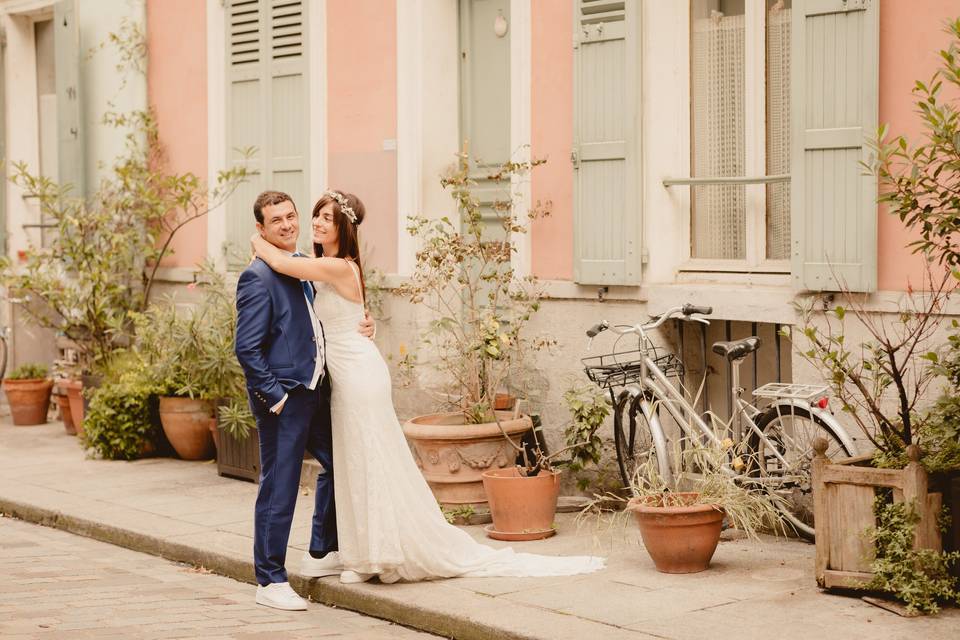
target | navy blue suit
x=275, y=346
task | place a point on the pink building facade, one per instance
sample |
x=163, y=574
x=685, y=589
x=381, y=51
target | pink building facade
x=630, y=103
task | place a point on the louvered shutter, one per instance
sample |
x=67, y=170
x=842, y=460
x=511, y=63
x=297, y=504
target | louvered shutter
x=607, y=214
x=66, y=44
x=266, y=109
x=834, y=103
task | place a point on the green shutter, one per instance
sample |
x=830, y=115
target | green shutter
x=607, y=214
x=834, y=89
x=70, y=152
x=267, y=108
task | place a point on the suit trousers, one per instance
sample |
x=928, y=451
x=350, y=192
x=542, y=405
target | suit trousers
x=303, y=424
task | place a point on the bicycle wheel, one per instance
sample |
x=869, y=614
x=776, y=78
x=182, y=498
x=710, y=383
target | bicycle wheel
x=631, y=436
x=791, y=431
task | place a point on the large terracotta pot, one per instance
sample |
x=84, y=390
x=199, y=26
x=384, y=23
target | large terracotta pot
x=74, y=390
x=29, y=400
x=453, y=455
x=63, y=404
x=681, y=536
x=186, y=423
x=522, y=508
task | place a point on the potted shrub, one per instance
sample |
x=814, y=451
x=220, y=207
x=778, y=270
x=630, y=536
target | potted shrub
x=120, y=424
x=169, y=343
x=680, y=520
x=189, y=353
x=28, y=390
x=523, y=497
x=476, y=337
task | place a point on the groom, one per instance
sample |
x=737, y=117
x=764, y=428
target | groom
x=280, y=346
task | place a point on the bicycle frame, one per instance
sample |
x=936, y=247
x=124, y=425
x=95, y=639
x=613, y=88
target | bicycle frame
x=655, y=390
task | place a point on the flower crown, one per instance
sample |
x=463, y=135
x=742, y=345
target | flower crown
x=345, y=207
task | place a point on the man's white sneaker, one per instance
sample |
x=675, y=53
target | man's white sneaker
x=328, y=565
x=280, y=595
x=354, y=577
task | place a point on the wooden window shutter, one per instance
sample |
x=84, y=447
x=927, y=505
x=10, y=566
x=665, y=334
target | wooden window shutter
x=607, y=213
x=266, y=109
x=834, y=103
x=71, y=162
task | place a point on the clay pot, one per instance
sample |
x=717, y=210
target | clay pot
x=29, y=400
x=186, y=423
x=63, y=404
x=522, y=508
x=681, y=536
x=74, y=390
x=503, y=401
x=452, y=455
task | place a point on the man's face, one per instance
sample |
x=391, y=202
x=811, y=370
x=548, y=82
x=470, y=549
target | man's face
x=281, y=225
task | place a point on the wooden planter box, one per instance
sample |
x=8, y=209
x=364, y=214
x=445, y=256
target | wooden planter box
x=843, y=497
x=238, y=458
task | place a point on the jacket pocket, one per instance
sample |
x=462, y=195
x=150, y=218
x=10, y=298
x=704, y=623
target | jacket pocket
x=279, y=353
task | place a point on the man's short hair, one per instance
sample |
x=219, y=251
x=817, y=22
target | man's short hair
x=268, y=198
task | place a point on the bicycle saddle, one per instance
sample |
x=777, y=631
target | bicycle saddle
x=737, y=348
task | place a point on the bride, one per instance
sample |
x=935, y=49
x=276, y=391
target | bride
x=388, y=521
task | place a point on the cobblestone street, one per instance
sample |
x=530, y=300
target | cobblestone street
x=59, y=585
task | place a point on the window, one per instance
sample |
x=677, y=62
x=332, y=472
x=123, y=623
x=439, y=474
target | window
x=740, y=129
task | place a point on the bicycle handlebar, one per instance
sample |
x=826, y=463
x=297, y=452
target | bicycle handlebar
x=685, y=312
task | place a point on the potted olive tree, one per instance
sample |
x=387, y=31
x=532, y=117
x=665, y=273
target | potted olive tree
x=475, y=339
x=28, y=390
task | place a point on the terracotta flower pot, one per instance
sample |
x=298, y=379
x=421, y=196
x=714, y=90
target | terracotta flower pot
x=522, y=508
x=681, y=536
x=29, y=400
x=74, y=390
x=186, y=423
x=63, y=404
x=452, y=455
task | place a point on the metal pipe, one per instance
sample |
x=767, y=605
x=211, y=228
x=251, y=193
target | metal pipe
x=695, y=182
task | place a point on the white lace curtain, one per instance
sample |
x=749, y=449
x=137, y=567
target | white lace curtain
x=718, y=224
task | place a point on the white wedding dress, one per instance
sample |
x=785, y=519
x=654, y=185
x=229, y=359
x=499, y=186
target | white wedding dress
x=388, y=521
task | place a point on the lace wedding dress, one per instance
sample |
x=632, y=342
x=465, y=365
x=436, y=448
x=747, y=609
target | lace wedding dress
x=388, y=521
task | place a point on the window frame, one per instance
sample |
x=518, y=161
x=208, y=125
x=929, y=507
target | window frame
x=755, y=133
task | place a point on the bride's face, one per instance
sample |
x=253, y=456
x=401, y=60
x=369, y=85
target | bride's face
x=324, y=228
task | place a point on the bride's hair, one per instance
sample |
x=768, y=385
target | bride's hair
x=348, y=244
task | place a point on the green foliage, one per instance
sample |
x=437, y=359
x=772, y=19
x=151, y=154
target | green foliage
x=463, y=275
x=119, y=424
x=460, y=515
x=189, y=351
x=588, y=410
x=101, y=265
x=30, y=371
x=918, y=577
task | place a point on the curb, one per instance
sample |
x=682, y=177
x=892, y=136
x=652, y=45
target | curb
x=352, y=597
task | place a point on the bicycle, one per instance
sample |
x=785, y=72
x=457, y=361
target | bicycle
x=776, y=436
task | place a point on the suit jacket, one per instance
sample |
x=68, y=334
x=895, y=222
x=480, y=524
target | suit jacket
x=275, y=343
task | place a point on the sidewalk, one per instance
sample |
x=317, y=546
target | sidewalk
x=184, y=511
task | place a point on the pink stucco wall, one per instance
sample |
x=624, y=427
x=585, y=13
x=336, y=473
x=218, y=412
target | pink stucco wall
x=177, y=91
x=362, y=116
x=551, y=106
x=909, y=44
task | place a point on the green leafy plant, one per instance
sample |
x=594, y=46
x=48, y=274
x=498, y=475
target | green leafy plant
x=30, y=371
x=463, y=275
x=120, y=424
x=589, y=409
x=103, y=260
x=919, y=577
x=189, y=350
